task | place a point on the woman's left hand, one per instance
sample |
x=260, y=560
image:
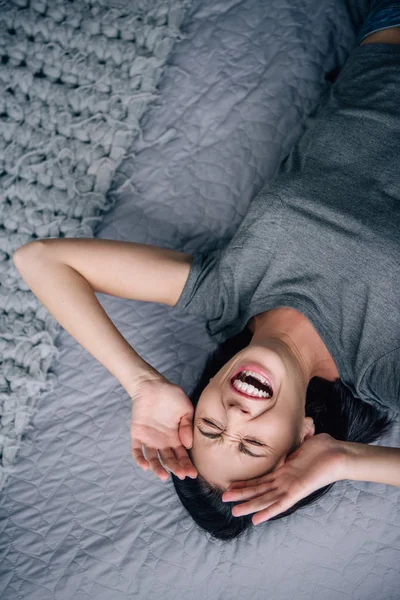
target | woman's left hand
x=318, y=462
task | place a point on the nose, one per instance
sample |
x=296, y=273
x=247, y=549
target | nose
x=238, y=406
x=244, y=408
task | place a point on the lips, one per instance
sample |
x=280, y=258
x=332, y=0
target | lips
x=245, y=395
x=256, y=369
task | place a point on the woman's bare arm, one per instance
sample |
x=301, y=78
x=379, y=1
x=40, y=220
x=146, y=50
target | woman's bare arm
x=319, y=461
x=364, y=462
x=123, y=269
x=64, y=275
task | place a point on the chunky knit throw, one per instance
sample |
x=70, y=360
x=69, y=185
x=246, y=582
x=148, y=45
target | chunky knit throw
x=76, y=76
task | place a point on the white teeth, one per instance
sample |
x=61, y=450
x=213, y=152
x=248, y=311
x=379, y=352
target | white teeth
x=257, y=376
x=249, y=389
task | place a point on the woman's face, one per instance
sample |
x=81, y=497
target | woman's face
x=236, y=422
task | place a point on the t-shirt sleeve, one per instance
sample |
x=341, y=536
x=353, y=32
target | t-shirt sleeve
x=220, y=287
x=211, y=292
x=381, y=380
x=201, y=292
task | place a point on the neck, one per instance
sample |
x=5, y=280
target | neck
x=291, y=328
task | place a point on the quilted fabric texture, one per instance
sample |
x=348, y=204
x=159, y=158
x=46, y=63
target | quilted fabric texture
x=76, y=79
x=79, y=520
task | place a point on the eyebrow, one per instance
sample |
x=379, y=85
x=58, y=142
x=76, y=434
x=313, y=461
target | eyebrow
x=247, y=453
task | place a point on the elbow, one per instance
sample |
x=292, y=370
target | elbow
x=26, y=250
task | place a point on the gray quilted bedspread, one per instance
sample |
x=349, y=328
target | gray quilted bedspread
x=79, y=519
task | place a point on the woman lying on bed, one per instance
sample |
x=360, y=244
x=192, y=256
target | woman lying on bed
x=304, y=301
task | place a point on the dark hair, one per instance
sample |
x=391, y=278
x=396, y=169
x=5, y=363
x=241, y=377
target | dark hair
x=334, y=410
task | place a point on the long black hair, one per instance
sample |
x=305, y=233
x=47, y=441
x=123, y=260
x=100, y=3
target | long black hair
x=334, y=410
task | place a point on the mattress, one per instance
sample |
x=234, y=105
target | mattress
x=79, y=519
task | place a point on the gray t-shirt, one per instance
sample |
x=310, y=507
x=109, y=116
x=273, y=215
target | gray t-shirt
x=323, y=237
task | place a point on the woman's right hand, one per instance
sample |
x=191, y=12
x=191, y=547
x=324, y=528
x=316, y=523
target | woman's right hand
x=162, y=420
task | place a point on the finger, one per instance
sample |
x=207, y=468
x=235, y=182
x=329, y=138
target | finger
x=238, y=484
x=251, y=482
x=155, y=465
x=178, y=461
x=184, y=459
x=245, y=493
x=272, y=511
x=137, y=454
x=255, y=504
x=170, y=460
x=186, y=431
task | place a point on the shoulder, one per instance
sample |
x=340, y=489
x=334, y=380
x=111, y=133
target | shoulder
x=381, y=380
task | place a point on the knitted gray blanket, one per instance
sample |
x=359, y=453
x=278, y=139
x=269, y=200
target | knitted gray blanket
x=76, y=78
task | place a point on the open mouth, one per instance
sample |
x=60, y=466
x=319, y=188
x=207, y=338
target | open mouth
x=252, y=383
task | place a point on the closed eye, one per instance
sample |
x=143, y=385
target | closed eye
x=242, y=448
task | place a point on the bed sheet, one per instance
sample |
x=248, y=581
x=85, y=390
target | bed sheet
x=79, y=519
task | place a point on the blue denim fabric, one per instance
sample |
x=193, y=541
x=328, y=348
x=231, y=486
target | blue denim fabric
x=383, y=15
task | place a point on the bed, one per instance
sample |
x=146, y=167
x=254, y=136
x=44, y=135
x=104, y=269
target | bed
x=79, y=519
